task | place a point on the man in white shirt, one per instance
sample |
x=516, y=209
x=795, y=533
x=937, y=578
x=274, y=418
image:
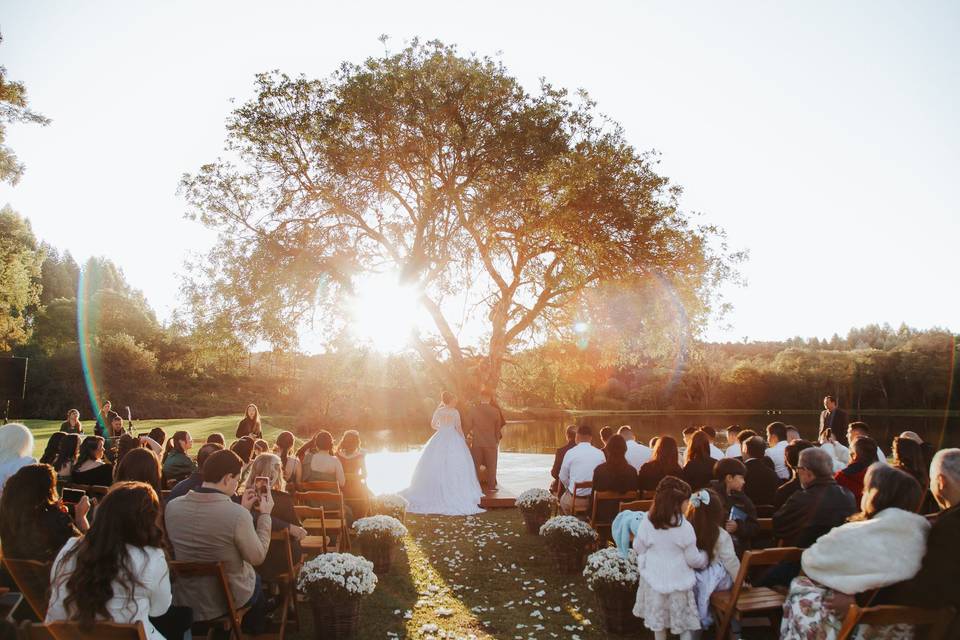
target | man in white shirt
x=858, y=430
x=578, y=466
x=637, y=453
x=715, y=452
x=777, y=441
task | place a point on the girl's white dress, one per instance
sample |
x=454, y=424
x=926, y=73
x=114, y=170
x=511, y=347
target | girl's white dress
x=445, y=479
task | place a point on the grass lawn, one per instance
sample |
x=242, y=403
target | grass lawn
x=199, y=428
x=480, y=576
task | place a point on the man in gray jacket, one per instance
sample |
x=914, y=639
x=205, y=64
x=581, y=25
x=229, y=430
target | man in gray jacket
x=486, y=422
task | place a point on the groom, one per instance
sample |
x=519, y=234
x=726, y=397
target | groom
x=486, y=422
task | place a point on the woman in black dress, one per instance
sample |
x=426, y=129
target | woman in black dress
x=616, y=474
x=250, y=425
x=665, y=462
x=90, y=467
x=698, y=467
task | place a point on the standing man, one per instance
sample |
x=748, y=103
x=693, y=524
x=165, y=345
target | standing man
x=485, y=422
x=834, y=418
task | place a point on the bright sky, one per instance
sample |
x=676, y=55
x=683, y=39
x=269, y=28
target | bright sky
x=822, y=136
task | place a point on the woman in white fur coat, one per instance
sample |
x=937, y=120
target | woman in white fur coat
x=881, y=546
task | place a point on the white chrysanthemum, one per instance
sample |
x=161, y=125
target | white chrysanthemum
x=535, y=499
x=341, y=572
x=568, y=526
x=607, y=568
x=380, y=528
x=392, y=501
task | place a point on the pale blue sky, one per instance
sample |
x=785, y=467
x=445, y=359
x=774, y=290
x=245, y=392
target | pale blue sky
x=823, y=136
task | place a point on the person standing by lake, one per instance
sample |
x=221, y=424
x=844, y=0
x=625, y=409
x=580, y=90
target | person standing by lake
x=833, y=417
x=72, y=423
x=250, y=424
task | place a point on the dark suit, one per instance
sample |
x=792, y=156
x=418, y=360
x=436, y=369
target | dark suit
x=557, y=462
x=762, y=482
x=812, y=512
x=485, y=422
x=837, y=421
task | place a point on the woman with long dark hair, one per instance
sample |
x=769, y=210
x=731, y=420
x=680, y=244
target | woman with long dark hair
x=292, y=469
x=353, y=459
x=320, y=463
x=140, y=465
x=862, y=455
x=118, y=571
x=34, y=523
x=66, y=456
x=616, y=474
x=250, y=424
x=665, y=462
x=53, y=448
x=90, y=467
x=698, y=465
x=177, y=465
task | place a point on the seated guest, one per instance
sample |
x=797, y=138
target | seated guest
x=72, y=423
x=52, y=449
x=111, y=442
x=838, y=452
x=908, y=457
x=762, y=481
x=558, y=456
x=653, y=443
x=935, y=585
x=777, y=438
x=154, y=440
x=665, y=462
x=118, y=571
x=207, y=526
x=196, y=478
x=791, y=486
x=859, y=430
x=792, y=433
x=862, y=456
x=34, y=523
x=90, y=467
x=16, y=450
x=244, y=448
x=217, y=438
x=283, y=516
x=715, y=451
x=698, y=465
x=736, y=449
x=140, y=465
x=320, y=463
x=67, y=457
x=578, y=467
x=605, y=434
x=292, y=468
x=616, y=474
x=125, y=445
x=637, y=453
x=845, y=560
x=688, y=436
x=260, y=446
x=733, y=444
x=819, y=506
x=741, y=524
x=177, y=464
x=353, y=459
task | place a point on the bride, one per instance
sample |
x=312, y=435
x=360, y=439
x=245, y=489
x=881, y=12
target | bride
x=445, y=481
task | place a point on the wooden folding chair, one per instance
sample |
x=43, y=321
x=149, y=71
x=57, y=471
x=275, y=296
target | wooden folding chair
x=603, y=526
x=636, y=505
x=765, y=510
x=33, y=581
x=742, y=601
x=320, y=531
x=574, y=510
x=335, y=513
x=286, y=580
x=71, y=631
x=319, y=485
x=937, y=619
x=181, y=570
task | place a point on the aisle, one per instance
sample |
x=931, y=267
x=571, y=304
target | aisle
x=390, y=472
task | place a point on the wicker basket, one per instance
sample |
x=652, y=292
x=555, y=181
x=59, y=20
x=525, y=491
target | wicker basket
x=570, y=561
x=380, y=554
x=336, y=621
x=534, y=521
x=617, y=608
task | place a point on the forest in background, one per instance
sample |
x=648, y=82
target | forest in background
x=164, y=370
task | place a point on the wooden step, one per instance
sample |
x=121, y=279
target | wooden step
x=502, y=498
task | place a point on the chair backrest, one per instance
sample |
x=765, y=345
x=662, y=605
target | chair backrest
x=319, y=485
x=577, y=486
x=937, y=619
x=765, y=510
x=181, y=569
x=636, y=505
x=331, y=502
x=609, y=496
x=72, y=631
x=33, y=581
x=762, y=558
x=282, y=537
x=766, y=524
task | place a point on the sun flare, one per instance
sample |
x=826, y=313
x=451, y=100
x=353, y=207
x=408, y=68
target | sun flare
x=383, y=312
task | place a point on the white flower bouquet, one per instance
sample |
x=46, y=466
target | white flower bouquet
x=568, y=535
x=538, y=502
x=379, y=529
x=337, y=577
x=607, y=569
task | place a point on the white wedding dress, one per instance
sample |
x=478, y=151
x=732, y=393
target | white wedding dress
x=445, y=479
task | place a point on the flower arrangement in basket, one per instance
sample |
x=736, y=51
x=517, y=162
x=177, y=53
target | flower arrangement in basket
x=535, y=506
x=614, y=578
x=391, y=504
x=568, y=538
x=377, y=538
x=335, y=583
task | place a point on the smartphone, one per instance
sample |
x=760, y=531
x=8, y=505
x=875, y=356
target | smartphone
x=72, y=496
x=261, y=485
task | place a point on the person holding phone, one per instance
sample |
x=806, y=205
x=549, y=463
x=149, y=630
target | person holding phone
x=266, y=478
x=34, y=522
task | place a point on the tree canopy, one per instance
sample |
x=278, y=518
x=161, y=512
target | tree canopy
x=13, y=108
x=442, y=168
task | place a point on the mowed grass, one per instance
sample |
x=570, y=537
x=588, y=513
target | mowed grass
x=199, y=428
x=481, y=576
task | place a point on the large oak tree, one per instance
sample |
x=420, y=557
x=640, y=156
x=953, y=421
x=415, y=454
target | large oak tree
x=443, y=168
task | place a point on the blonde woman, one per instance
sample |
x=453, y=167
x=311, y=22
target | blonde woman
x=354, y=461
x=283, y=515
x=292, y=467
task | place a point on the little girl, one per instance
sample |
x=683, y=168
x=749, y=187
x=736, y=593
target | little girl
x=667, y=556
x=708, y=516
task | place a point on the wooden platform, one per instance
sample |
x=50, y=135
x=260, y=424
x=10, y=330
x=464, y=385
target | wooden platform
x=502, y=498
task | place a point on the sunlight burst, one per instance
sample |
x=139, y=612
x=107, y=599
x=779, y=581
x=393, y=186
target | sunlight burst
x=384, y=312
